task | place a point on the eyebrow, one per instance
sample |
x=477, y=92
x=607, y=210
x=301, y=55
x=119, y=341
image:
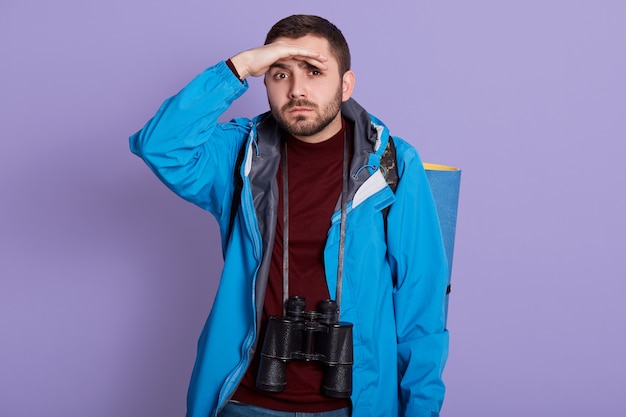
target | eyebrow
x=308, y=66
x=302, y=64
x=280, y=65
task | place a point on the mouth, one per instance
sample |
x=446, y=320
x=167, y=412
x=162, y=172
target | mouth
x=299, y=109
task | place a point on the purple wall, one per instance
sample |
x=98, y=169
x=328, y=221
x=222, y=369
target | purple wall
x=106, y=277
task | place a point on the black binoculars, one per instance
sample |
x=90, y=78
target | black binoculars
x=308, y=336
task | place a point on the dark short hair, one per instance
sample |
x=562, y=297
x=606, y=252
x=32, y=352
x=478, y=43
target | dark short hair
x=299, y=25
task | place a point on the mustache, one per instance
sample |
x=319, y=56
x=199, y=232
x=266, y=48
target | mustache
x=299, y=103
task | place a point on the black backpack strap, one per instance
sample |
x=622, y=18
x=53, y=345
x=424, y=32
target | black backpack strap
x=238, y=187
x=389, y=168
x=388, y=165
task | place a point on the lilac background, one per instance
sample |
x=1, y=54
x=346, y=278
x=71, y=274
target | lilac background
x=106, y=277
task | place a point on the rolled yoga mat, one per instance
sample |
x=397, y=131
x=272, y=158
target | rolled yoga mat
x=445, y=183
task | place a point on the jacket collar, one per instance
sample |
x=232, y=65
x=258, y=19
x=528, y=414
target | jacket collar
x=370, y=140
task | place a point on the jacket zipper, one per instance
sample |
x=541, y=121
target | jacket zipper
x=228, y=389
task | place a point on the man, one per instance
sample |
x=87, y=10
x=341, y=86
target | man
x=304, y=210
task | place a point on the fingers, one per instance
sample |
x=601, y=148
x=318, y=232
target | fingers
x=299, y=53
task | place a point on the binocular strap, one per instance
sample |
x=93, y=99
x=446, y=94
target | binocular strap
x=342, y=230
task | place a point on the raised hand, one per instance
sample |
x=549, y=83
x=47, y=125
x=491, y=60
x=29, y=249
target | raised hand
x=257, y=61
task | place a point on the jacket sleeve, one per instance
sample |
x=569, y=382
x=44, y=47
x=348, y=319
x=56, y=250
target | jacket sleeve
x=419, y=265
x=186, y=147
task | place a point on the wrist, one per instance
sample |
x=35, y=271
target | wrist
x=238, y=67
x=232, y=69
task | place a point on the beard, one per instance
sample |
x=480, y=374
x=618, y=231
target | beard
x=303, y=125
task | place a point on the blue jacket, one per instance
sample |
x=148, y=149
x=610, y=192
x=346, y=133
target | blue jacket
x=394, y=282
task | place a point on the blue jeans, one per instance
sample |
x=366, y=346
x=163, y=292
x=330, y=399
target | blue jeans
x=234, y=409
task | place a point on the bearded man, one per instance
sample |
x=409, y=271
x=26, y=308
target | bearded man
x=331, y=301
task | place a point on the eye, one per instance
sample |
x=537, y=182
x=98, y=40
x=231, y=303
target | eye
x=315, y=73
x=279, y=76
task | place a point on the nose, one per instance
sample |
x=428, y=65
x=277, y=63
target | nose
x=297, y=88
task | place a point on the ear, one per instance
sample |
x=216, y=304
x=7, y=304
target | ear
x=347, y=85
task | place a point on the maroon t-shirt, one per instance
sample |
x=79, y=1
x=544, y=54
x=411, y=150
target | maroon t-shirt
x=315, y=179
